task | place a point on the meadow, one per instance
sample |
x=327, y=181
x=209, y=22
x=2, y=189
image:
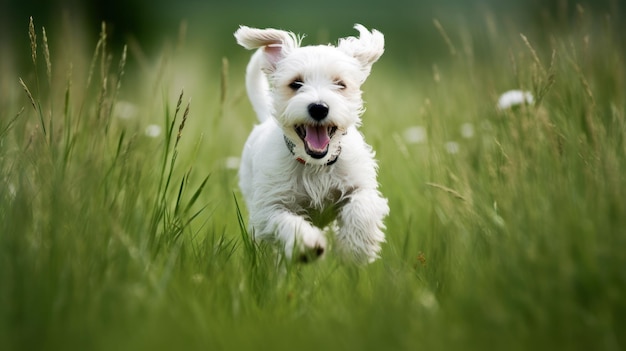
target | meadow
x=121, y=225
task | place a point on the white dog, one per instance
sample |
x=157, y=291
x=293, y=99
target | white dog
x=306, y=169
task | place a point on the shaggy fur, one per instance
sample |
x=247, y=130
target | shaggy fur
x=306, y=170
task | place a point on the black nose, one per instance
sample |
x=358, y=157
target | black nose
x=318, y=111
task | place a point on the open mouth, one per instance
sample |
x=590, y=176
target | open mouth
x=316, y=138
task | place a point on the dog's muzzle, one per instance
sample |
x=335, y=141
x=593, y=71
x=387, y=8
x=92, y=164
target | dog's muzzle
x=316, y=135
x=305, y=156
x=316, y=138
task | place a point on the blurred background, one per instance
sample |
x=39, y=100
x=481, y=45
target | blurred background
x=209, y=24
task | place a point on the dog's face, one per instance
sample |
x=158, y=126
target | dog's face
x=315, y=90
x=317, y=97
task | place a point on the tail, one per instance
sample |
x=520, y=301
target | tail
x=258, y=88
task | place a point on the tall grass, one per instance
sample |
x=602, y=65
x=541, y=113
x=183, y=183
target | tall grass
x=506, y=231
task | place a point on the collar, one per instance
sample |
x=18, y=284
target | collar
x=291, y=146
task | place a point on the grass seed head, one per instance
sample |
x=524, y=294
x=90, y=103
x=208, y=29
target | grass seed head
x=33, y=40
x=46, y=54
x=182, y=123
x=30, y=96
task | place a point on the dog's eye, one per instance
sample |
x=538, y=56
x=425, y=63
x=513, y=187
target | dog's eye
x=296, y=84
x=340, y=84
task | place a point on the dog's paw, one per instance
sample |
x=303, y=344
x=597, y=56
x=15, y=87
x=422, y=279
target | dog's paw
x=313, y=246
x=310, y=255
x=308, y=247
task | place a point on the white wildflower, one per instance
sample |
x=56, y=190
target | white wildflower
x=153, y=130
x=126, y=110
x=467, y=130
x=513, y=98
x=12, y=190
x=452, y=147
x=197, y=278
x=415, y=135
x=428, y=300
x=232, y=162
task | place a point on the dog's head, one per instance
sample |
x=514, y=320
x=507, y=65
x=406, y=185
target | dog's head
x=315, y=90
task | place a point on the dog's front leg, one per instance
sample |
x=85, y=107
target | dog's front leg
x=302, y=241
x=361, y=223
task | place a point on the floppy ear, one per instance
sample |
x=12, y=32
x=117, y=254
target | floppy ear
x=276, y=43
x=367, y=48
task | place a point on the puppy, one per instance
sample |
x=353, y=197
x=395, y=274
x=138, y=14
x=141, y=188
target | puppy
x=306, y=170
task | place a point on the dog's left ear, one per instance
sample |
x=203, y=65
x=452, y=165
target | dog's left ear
x=367, y=48
x=276, y=43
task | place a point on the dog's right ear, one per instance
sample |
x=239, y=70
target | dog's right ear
x=367, y=48
x=276, y=43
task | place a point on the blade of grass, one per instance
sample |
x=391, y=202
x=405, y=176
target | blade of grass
x=9, y=125
x=196, y=194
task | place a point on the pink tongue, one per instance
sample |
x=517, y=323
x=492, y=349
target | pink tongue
x=317, y=137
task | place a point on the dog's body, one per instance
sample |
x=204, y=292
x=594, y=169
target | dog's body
x=306, y=169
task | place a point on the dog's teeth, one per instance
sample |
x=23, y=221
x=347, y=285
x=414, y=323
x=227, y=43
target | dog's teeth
x=301, y=130
x=331, y=131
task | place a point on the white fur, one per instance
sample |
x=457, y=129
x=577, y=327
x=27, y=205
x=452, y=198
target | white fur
x=285, y=189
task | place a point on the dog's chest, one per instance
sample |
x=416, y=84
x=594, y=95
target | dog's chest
x=320, y=190
x=321, y=199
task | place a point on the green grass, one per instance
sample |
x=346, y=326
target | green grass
x=111, y=239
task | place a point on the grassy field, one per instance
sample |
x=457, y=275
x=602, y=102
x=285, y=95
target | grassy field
x=121, y=223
